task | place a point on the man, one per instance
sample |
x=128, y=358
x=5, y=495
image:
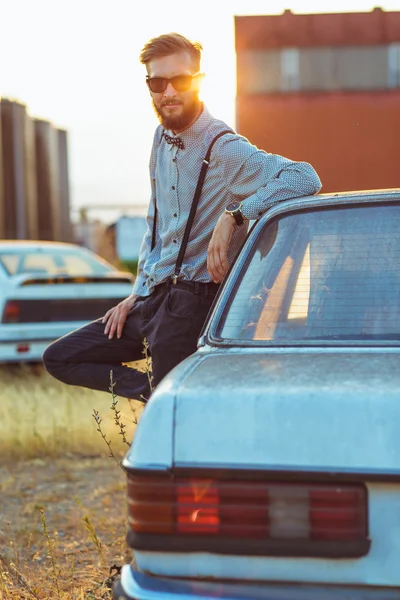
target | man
x=177, y=282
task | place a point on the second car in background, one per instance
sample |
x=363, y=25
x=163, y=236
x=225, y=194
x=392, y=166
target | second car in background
x=48, y=289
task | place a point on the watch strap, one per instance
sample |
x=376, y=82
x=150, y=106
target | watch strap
x=237, y=215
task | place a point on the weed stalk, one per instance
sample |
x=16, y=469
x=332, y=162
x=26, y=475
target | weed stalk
x=117, y=413
x=111, y=454
x=51, y=555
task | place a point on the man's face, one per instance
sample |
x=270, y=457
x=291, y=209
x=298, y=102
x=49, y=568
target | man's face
x=176, y=110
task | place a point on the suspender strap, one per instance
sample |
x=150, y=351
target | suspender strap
x=153, y=233
x=193, y=208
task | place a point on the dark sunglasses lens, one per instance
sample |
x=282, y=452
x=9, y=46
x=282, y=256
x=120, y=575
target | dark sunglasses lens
x=157, y=84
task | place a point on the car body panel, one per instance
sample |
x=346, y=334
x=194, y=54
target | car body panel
x=158, y=420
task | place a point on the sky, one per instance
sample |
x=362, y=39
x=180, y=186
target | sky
x=75, y=63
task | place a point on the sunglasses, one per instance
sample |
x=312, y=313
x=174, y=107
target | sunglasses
x=181, y=83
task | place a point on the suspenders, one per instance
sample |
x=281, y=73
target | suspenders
x=193, y=208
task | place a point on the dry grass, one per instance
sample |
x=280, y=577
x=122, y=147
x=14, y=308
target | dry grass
x=40, y=416
x=62, y=527
x=63, y=513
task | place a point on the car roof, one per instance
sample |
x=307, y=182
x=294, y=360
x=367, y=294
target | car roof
x=31, y=244
x=373, y=194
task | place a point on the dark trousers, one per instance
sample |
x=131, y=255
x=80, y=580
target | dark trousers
x=170, y=319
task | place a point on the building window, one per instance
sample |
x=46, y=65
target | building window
x=290, y=69
x=375, y=67
x=394, y=65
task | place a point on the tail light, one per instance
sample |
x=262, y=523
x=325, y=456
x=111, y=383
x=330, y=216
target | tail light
x=310, y=512
x=23, y=348
x=11, y=312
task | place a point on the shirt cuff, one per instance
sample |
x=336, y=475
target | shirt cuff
x=249, y=209
x=139, y=286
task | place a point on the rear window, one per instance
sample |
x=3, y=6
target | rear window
x=326, y=275
x=52, y=262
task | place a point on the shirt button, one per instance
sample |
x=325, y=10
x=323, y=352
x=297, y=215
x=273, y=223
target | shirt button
x=174, y=241
x=172, y=187
x=174, y=159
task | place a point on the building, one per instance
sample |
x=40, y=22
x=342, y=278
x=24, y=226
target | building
x=324, y=88
x=34, y=179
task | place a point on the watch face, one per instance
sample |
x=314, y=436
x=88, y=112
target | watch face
x=232, y=206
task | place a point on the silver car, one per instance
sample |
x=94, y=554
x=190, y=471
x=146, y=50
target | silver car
x=47, y=289
x=267, y=464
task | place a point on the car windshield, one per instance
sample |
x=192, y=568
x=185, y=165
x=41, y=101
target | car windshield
x=320, y=276
x=52, y=261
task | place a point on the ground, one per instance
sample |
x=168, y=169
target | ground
x=62, y=527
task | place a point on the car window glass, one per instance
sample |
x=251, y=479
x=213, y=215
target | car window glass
x=78, y=265
x=321, y=275
x=9, y=262
x=38, y=263
x=53, y=262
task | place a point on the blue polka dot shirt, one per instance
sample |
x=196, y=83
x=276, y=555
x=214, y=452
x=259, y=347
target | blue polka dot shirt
x=238, y=171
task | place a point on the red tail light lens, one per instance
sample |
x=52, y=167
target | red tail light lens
x=198, y=507
x=337, y=514
x=246, y=509
x=11, y=312
x=151, y=504
x=23, y=348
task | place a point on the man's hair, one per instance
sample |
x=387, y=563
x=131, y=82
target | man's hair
x=171, y=43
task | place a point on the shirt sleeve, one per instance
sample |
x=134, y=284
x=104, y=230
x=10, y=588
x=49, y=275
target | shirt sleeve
x=260, y=180
x=145, y=248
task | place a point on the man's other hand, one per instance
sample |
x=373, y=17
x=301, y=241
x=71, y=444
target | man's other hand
x=116, y=317
x=217, y=259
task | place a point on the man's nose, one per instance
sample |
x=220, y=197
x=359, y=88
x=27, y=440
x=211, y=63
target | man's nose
x=170, y=90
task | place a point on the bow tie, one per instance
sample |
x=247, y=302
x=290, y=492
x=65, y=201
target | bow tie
x=175, y=141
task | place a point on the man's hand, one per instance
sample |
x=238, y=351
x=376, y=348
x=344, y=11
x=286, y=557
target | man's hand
x=116, y=317
x=217, y=260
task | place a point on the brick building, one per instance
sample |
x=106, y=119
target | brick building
x=324, y=88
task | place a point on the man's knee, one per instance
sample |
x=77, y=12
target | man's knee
x=51, y=360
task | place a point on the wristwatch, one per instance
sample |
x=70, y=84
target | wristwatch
x=234, y=209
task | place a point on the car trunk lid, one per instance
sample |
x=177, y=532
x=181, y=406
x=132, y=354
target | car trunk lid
x=291, y=410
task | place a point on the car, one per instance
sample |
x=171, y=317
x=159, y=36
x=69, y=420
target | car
x=47, y=289
x=267, y=464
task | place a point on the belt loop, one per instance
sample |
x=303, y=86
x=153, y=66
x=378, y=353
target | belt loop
x=205, y=290
x=197, y=287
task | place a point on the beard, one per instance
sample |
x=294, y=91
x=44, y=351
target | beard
x=181, y=121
